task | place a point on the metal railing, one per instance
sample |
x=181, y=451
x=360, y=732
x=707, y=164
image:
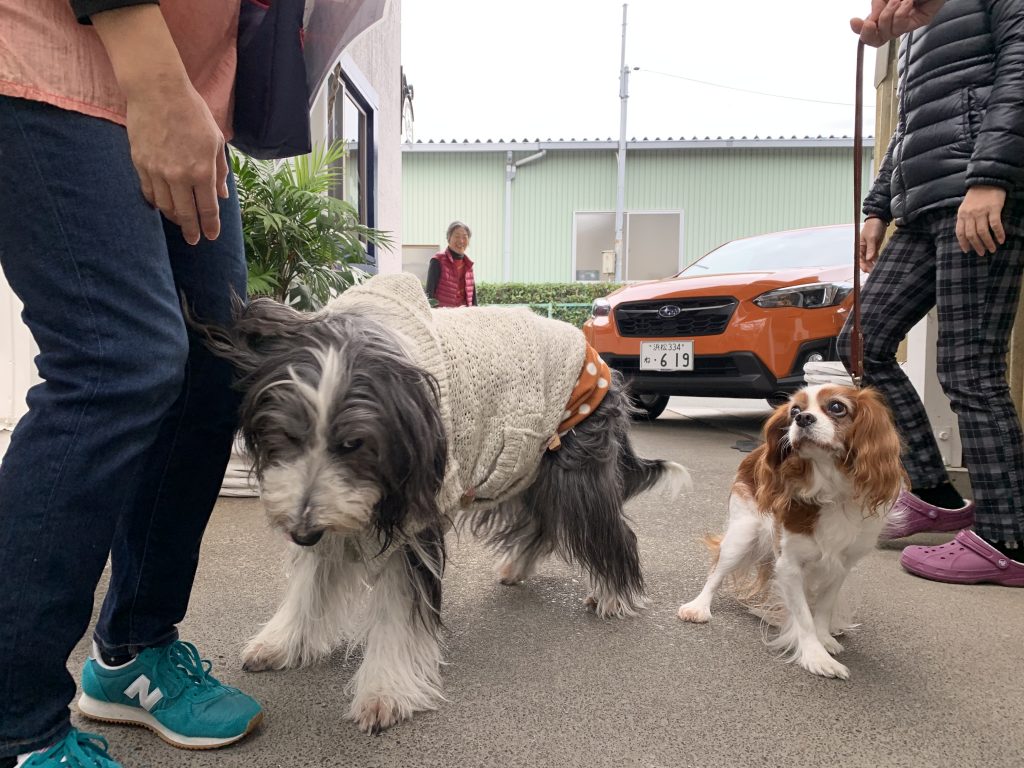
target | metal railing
x=548, y=306
x=575, y=313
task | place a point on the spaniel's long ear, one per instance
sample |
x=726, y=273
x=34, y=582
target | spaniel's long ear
x=768, y=474
x=776, y=436
x=874, y=451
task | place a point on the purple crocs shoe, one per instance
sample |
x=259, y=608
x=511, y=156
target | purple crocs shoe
x=967, y=559
x=910, y=515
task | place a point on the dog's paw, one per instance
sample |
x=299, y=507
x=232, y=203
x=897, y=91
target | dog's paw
x=514, y=570
x=615, y=606
x=376, y=712
x=258, y=656
x=509, y=573
x=818, y=662
x=832, y=645
x=695, y=612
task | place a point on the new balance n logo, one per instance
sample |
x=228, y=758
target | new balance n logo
x=140, y=688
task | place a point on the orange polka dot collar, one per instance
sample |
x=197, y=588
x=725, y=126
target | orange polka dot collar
x=590, y=389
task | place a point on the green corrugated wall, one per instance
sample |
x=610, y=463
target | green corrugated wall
x=723, y=193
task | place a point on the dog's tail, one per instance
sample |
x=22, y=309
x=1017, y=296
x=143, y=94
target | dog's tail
x=713, y=541
x=751, y=583
x=639, y=475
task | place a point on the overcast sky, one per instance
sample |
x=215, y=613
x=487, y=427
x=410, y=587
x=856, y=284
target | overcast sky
x=530, y=69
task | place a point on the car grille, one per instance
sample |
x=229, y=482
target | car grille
x=705, y=316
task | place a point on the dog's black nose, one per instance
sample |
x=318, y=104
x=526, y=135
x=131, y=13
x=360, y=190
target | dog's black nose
x=308, y=538
x=805, y=419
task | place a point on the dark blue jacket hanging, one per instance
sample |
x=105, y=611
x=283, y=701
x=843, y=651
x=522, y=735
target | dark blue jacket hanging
x=271, y=119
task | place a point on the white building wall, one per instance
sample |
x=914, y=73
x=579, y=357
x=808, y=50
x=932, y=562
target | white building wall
x=378, y=53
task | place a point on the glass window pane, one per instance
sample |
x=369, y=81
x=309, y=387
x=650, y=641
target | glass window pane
x=352, y=124
x=652, y=247
x=826, y=247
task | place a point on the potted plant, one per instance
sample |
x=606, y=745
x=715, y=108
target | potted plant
x=302, y=245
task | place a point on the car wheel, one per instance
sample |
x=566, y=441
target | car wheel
x=649, y=406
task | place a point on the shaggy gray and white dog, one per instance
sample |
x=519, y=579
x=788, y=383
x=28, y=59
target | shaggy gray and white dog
x=350, y=448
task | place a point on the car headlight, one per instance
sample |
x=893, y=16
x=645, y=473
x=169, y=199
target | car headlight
x=600, y=308
x=812, y=296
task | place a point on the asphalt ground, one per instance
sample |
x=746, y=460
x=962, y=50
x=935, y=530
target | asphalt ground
x=534, y=679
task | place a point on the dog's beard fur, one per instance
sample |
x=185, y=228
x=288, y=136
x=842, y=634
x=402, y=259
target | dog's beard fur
x=350, y=447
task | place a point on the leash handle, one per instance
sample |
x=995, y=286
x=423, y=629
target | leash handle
x=857, y=339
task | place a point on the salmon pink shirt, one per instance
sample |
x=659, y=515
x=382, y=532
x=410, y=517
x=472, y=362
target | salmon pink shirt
x=46, y=55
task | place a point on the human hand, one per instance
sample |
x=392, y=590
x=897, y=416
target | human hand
x=872, y=232
x=178, y=151
x=176, y=146
x=979, y=222
x=888, y=19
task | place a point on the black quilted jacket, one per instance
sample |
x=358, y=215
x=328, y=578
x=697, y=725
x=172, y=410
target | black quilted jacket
x=961, y=112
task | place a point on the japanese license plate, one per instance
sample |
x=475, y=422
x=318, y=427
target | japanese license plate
x=666, y=356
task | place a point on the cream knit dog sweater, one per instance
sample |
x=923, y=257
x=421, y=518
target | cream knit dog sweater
x=505, y=376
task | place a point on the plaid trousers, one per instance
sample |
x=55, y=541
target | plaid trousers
x=922, y=266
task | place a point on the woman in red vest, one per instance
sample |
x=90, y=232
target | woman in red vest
x=450, y=277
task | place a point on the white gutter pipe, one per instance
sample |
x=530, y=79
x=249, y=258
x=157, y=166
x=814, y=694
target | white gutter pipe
x=510, y=173
x=620, y=187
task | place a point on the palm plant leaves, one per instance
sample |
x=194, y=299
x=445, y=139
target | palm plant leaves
x=302, y=245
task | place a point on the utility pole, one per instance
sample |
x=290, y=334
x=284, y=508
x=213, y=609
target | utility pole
x=620, y=192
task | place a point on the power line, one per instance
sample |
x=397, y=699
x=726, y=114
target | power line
x=748, y=90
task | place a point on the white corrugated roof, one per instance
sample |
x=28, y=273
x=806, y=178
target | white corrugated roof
x=719, y=142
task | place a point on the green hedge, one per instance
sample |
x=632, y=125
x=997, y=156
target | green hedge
x=540, y=295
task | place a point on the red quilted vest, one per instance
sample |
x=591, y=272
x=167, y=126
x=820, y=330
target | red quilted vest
x=447, y=293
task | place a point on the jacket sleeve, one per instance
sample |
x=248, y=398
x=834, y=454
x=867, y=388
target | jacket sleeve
x=85, y=8
x=878, y=202
x=433, y=276
x=998, y=154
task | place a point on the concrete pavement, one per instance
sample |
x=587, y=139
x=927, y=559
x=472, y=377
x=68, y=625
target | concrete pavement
x=534, y=680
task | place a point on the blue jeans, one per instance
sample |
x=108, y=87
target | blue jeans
x=125, y=442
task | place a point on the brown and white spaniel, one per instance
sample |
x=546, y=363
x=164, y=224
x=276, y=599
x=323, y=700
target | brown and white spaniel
x=805, y=507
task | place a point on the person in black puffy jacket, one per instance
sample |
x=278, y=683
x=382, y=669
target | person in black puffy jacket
x=953, y=181
x=888, y=19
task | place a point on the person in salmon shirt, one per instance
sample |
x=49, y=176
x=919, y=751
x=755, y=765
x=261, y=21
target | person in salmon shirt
x=115, y=200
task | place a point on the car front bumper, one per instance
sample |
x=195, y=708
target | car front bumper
x=736, y=374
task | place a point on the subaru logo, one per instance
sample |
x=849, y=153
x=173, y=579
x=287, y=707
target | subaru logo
x=669, y=310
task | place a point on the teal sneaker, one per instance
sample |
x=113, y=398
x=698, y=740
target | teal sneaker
x=170, y=691
x=76, y=750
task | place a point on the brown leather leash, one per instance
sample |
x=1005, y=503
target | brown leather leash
x=857, y=338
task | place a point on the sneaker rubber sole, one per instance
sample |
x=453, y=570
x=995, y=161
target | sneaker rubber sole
x=108, y=712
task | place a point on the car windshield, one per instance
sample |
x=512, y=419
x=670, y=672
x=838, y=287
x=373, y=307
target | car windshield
x=830, y=247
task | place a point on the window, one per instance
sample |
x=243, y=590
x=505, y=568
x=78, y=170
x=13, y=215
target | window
x=351, y=118
x=651, y=245
x=353, y=169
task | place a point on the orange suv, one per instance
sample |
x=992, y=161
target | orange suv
x=739, y=322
